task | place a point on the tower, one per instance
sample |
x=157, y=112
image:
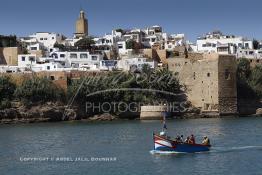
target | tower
x=81, y=26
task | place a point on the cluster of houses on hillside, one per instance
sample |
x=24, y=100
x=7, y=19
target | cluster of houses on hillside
x=119, y=50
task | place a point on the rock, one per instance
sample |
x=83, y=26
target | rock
x=39, y=113
x=8, y=114
x=259, y=111
x=103, y=117
x=70, y=114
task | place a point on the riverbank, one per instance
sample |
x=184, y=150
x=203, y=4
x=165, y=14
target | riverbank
x=46, y=114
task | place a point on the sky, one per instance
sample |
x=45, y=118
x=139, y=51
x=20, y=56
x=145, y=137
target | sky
x=192, y=17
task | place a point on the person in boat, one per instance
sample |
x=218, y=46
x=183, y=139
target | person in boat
x=179, y=139
x=162, y=133
x=182, y=137
x=187, y=140
x=206, y=141
x=192, y=139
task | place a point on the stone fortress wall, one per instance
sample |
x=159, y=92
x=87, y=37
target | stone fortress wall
x=210, y=81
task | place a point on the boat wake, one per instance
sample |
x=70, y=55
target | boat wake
x=212, y=150
x=234, y=149
x=165, y=152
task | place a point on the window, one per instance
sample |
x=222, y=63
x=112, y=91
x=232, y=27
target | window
x=151, y=33
x=54, y=55
x=227, y=74
x=204, y=45
x=257, y=61
x=33, y=48
x=23, y=58
x=120, y=46
x=52, y=78
x=41, y=39
x=194, y=75
x=208, y=74
x=45, y=39
x=73, y=55
x=48, y=67
x=83, y=55
x=53, y=38
x=62, y=55
x=246, y=45
x=94, y=58
x=31, y=59
x=222, y=49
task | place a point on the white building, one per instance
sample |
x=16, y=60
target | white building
x=154, y=35
x=149, y=37
x=219, y=43
x=77, y=59
x=122, y=48
x=108, y=65
x=48, y=66
x=59, y=60
x=11, y=69
x=135, y=63
x=249, y=54
x=35, y=47
x=27, y=60
x=174, y=41
x=47, y=39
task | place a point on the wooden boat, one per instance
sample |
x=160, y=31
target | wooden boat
x=165, y=144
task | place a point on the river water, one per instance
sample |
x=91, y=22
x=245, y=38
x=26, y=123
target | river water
x=123, y=147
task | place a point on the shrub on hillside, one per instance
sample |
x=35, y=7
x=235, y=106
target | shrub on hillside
x=38, y=90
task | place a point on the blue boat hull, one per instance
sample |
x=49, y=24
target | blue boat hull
x=165, y=144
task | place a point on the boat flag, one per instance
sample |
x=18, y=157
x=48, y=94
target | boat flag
x=164, y=120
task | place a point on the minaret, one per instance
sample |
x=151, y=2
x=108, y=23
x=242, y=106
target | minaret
x=81, y=26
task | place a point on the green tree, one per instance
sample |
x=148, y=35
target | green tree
x=39, y=90
x=8, y=41
x=61, y=47
x=85, y=43
x=249, y=80
x=7, y=89
x=131, y=44
x=243, y=68
x=120, y=30
x=255, y=80
x=255, y=44
x=150, y=80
